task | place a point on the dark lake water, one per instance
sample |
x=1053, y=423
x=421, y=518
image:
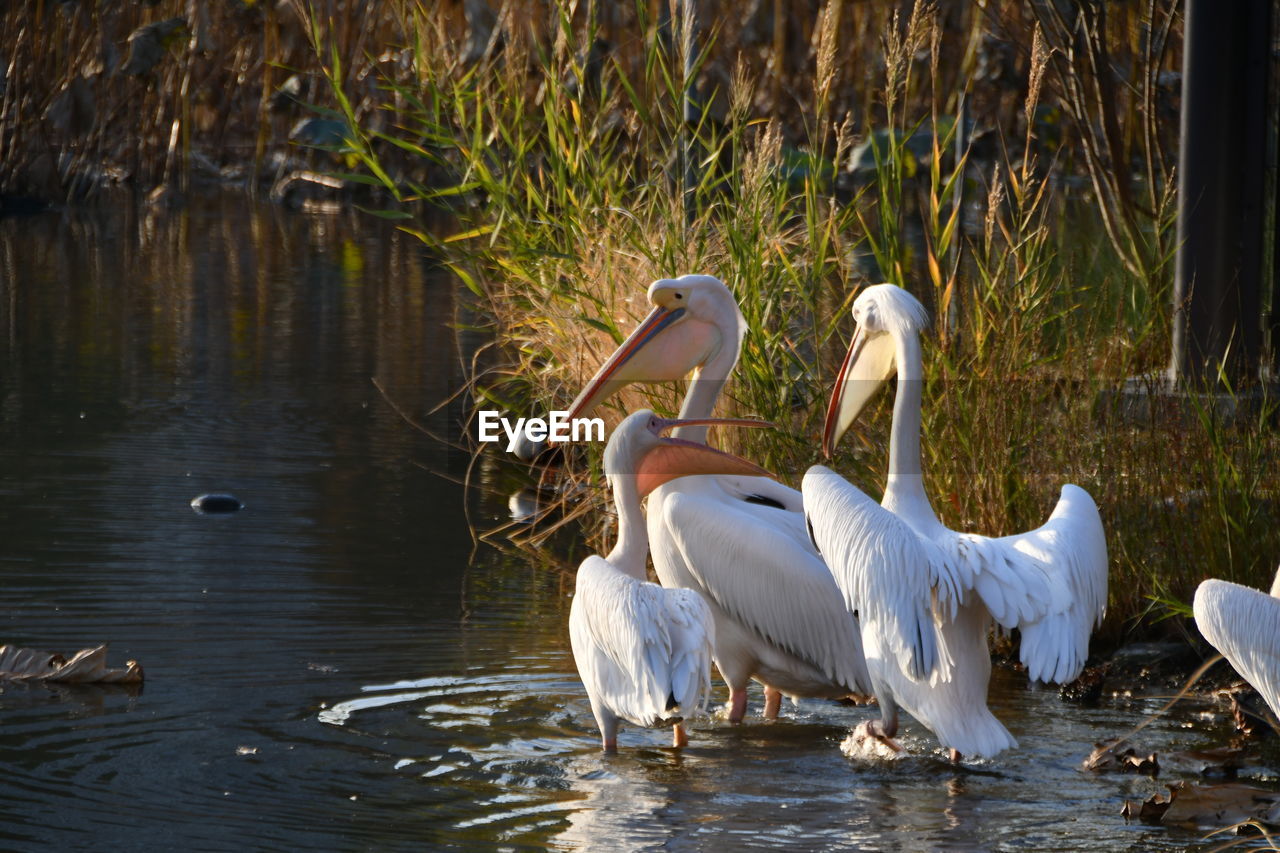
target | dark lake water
x=337, y=666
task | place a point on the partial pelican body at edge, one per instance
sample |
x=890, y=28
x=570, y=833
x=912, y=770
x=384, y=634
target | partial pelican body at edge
x=1244, y=625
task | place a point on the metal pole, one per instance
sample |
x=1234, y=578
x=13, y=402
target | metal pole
x=1221, y=194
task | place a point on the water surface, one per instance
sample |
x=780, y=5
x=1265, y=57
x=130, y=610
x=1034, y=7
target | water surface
x=338, y=666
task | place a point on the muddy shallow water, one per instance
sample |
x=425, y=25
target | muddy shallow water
x=337, y=666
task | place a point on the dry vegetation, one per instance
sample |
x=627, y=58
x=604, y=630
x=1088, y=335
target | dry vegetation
x=823, y=149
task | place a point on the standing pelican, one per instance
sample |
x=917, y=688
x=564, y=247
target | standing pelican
x=739, y=541
x=1244, y=624
x=927, y=595
x=644, y=652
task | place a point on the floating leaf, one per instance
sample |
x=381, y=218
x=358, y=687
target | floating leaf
x=1192, y=806
x=87, y=666
x=1108, y=757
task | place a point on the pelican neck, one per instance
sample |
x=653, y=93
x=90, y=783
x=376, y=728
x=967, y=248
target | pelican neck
x=632, y=547
x=904, y=492
x=704, y=389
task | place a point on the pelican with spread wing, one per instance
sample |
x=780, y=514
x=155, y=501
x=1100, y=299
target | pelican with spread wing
x=926, y=595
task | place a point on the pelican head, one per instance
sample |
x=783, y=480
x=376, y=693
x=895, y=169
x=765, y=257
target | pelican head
x=694, y=319
x=639, y=447
x=886, y=316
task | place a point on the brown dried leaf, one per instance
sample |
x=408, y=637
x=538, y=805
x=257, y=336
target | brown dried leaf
x=87, y=666
x=1191, y=805
x=1150, y=811
x=1108, y=757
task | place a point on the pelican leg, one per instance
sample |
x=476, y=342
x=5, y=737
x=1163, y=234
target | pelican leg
x=772, y=702
x=886, y=727
x=873, y=739
x=608, y=724
x=955, y=755
x=737, y=704
x=680, y=738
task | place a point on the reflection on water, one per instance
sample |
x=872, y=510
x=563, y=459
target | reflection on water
x=334, y=666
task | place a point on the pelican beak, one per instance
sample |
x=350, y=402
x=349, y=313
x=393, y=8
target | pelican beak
x=624, y=367
x=869, y=364
x=647, y=355
x=676, y=457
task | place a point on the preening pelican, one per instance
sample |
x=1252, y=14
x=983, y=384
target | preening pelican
x=1244, y=624
x=644, y=652
x=739, y=541
x=927, y=595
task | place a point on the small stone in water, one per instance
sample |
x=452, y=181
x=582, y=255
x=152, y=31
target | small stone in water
x=216, y=503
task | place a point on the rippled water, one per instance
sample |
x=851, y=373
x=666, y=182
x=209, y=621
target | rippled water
x=337, y=666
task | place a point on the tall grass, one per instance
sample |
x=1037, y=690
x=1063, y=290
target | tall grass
x=570, y=199
x=1046, y=269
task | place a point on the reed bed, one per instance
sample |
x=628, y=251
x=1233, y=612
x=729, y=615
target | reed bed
x=1008, y=163
x=1047, y=275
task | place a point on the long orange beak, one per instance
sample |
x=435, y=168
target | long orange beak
x=609, y=378
x=830, y=435
x=676, y=457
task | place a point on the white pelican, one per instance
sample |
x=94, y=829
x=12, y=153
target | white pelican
x=1244, y=624
x=644, y=652
x=927, y=595
x=739, y=541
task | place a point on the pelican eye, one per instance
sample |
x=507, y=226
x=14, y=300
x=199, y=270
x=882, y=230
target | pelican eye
x=679, y=296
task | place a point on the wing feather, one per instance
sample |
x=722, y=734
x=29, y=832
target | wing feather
x=886, y=571
x=742, y=487
x=1243, y=624
x=630, y=639
x=1050, y=583
x=693, y=634
x=756, y=564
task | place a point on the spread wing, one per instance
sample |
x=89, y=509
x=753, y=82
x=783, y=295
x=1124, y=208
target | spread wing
x=1243, y=624
x=1051, y=583
x=756, y=563
x=885, y=571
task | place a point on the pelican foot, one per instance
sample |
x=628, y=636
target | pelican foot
x=867, y=740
